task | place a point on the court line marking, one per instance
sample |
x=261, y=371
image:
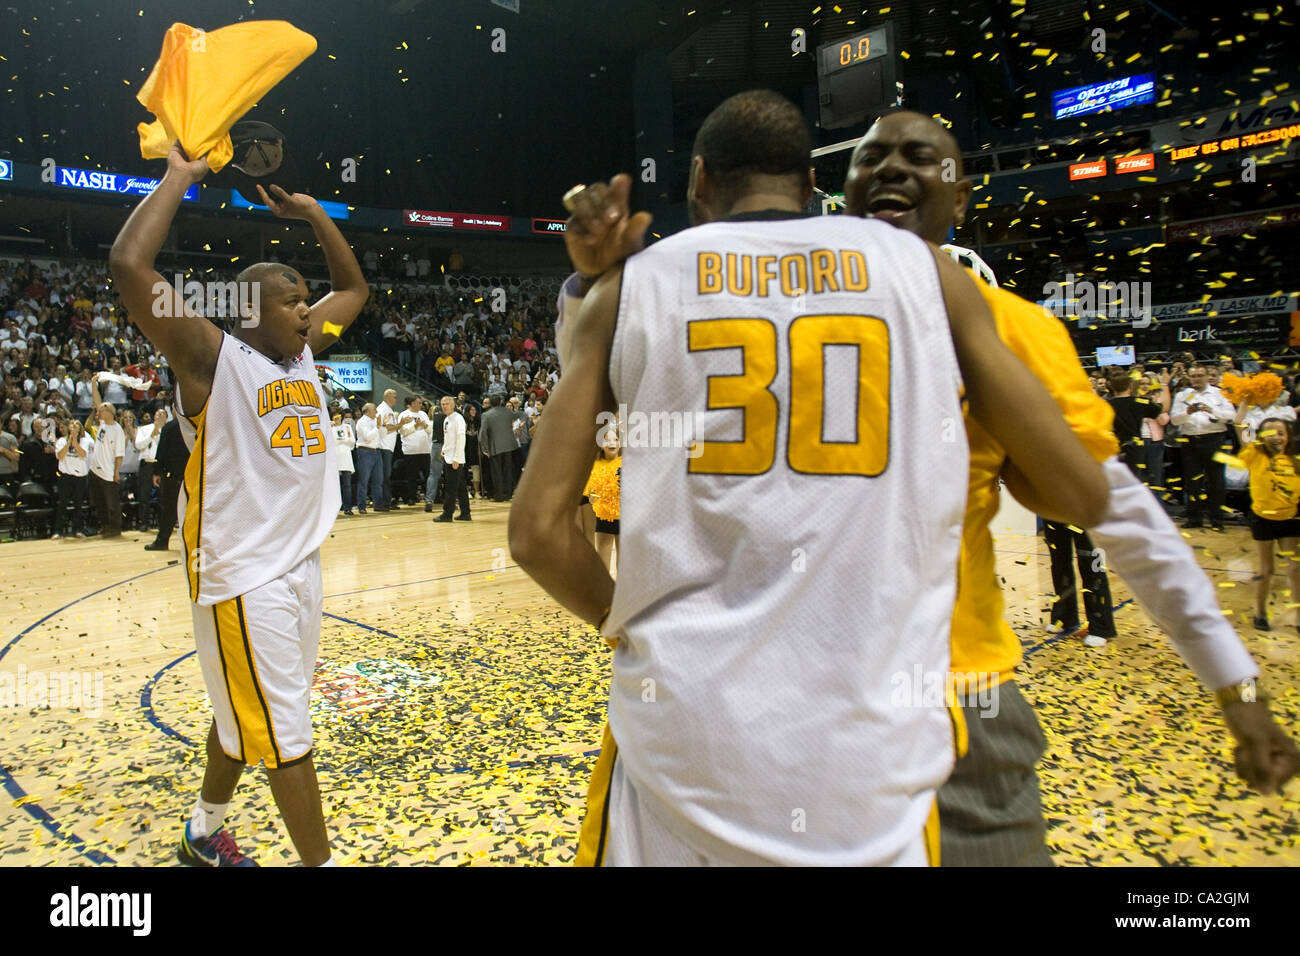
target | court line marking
x=33, y=809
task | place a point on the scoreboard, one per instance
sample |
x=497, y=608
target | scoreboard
x=857, y=78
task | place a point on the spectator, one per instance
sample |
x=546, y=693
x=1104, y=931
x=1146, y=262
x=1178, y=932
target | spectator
x=147, y=437
x=130, y=458
x=114, y=392
x=1280, y=408
x=84, y=397
x=73, y=453
x=1202, y=413
x=523, y=437
x=1156, y=390
x=414, y=427
x=437, y=425
x=173, y=456
x=106, y=471
x=145, y=371
x=453, y=456
x=1130, y=412
x=498, y=445
x=370, y=475
x=472, y=423
x=345, y=440
x=386, y=416
x=1274, y=491
x=9, y=454
x=26, y=415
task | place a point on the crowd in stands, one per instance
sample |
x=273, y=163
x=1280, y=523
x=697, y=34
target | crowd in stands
x=478, y=340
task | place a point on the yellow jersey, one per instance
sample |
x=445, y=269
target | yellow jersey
x=1274, y=484
x=982, y=641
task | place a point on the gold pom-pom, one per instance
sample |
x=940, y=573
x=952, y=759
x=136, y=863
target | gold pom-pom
x=1262, y=389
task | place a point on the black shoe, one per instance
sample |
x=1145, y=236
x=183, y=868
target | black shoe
x=427, y=507
x=381, y=510
x=1261, y=624
x=464, y=518
x=157, y=546
x=442, y=518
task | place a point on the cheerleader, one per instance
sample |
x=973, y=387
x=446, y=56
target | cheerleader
x=1274, y=490
x=602, y=491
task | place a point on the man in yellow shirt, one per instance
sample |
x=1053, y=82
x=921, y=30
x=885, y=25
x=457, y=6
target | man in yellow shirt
x=990, y=811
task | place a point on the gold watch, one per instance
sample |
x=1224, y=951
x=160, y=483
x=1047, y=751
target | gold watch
x=1246, y=691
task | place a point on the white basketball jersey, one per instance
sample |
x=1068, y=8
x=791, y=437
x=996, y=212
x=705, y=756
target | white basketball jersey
x=788, y=582
x=261, y=490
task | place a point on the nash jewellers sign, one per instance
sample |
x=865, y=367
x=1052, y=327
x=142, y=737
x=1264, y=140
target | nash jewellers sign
x=112, y=182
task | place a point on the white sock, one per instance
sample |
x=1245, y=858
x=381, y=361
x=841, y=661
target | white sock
x=329, y=862
x=206, y=818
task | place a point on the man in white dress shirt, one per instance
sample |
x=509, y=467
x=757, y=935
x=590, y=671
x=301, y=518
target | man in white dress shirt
x=453, y=456
x=414, y=427
x=146, y=443
x=370, y=475
x=386, y=416
x=1203, y=415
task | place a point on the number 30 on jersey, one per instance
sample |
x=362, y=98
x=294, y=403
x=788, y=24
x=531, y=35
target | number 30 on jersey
x=751, y=391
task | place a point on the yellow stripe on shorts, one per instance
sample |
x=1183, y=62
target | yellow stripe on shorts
x=595, y=826
x=932, y=834
x=192, y=526
x=252, y=715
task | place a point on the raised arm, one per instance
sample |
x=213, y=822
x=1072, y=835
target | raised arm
x=348, y=290
x=1240, y=421
x=190, y=342
x=1017, y=410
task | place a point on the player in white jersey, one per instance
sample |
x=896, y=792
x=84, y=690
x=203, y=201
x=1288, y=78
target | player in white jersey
x=259, y=499
x=754, y=714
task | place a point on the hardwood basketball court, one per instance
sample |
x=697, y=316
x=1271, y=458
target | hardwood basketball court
x=458, y=709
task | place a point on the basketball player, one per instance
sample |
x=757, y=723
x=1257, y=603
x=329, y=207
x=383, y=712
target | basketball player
x=751, y=717
x=259, y=498
x=989, y=810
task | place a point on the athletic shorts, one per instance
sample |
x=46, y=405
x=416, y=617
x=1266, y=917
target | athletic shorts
x=258, y=654
x=620, y=830
x=1266, y=529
